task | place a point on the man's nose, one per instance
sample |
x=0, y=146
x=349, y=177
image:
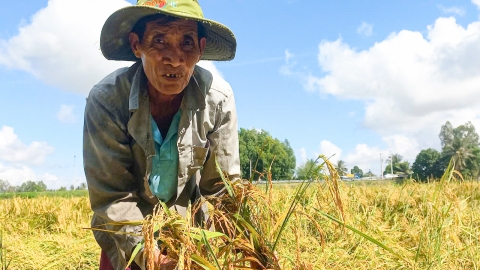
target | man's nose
x=174, y=57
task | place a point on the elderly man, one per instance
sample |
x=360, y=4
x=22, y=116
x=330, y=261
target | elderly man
x=153, y=131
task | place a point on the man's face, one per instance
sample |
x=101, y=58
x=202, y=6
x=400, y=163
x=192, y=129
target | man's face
x=169, y=53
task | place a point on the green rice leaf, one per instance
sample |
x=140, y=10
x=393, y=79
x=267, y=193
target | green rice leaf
x=134, y=254
x=227, y=184
x=202, y=262
x=197, y=234
x=210, y=250
x=247, y=225
x=417, y=253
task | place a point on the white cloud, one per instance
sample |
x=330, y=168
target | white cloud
x=287, y=69
x=16, y=174
x=368, y=158
x=452, y=10
x=365, y=157
x=407, y=147
x=476, y=3
x=14, y=150
x=65, y=114
x=288, y=55
x=410, y=84
x=60, y=44
x=365, y=29
x=210, y=66
x=330, y=150
x=301, y=156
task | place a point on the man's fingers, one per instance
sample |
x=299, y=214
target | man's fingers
x=167, y=263
x=168, y=266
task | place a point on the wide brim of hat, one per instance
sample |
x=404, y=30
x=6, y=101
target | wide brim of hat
x=114, y=44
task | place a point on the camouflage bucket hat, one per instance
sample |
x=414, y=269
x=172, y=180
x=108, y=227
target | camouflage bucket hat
x=114, y=43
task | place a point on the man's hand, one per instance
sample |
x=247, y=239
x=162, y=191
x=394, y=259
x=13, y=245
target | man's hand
x=162, y=262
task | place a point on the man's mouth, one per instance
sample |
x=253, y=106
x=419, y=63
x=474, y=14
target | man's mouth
x=170, y=75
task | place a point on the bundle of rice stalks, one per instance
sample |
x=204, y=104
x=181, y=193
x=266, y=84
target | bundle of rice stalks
x=234, y=236
x=242, y=230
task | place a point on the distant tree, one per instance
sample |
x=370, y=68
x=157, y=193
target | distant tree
x=460, y=144
x=309, y=170
x=357, y=171
x=82, y=186
x=369, y=174
x=62, y=189
x=259, y=150
x=460, y=152
x=4, y=185
x=428, y=165
x=41, y=186
x=402, y=168
x=465, y=132
x=13, y=189
x=341, y=168
x=395, y=160
x=31, y=186
x=472, y=168
x=72, y=187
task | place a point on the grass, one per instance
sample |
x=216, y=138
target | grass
x=63, y=194
x=385, y=226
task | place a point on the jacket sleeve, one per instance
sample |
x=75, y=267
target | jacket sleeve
x=107, y=161
x=223, y=147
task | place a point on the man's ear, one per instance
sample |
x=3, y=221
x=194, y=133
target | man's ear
x=134, y=42
x=202, y=44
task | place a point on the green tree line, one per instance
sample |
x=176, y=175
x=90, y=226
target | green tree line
x=31, y=186
x=460, y=144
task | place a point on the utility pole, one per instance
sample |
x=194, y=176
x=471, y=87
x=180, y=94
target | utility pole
x=381, y=166
x=74, y=170
x=250, y=176
x=391, y=163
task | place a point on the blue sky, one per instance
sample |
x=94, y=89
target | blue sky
x=354, y=78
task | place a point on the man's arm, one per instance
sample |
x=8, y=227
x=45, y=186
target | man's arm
x=107, y=159
x=223, y=147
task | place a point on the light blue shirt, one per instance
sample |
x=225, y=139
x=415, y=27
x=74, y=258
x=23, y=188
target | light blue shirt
x=163, y=179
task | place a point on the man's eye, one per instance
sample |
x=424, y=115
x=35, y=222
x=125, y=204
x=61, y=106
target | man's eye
x=188, y=44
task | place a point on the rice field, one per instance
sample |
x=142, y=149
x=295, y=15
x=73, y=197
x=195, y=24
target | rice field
x=390, y=226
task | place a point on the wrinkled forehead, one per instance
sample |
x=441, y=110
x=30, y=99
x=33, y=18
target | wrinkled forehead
x=169, y=23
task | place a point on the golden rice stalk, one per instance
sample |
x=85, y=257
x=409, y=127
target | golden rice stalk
x=332, y=182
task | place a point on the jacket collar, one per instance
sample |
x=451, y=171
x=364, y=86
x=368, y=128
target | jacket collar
x=196, y=90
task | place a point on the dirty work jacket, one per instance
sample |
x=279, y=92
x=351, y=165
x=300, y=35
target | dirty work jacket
x=118, y=148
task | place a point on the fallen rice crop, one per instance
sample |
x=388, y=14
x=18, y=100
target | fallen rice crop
x=46, y=233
